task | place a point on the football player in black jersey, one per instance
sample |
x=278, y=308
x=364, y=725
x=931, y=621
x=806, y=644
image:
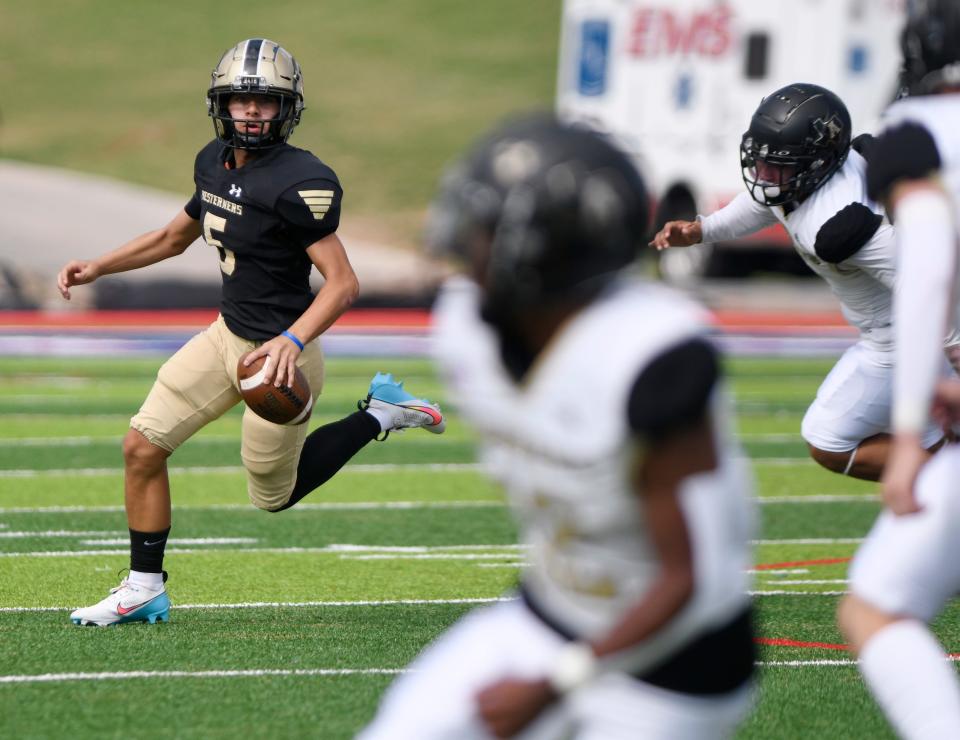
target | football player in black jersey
x=271, y=211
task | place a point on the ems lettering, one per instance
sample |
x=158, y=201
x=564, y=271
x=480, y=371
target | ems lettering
x=664, y=32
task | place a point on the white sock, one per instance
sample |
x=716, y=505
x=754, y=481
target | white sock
x=917, y=688
x=153, y=581
x=384, y=417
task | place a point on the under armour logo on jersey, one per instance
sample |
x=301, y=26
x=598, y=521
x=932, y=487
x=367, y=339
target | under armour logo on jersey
x=235, y=190
x=318, y=201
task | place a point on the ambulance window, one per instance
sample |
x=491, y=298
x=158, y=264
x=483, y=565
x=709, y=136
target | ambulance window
x=757, y=45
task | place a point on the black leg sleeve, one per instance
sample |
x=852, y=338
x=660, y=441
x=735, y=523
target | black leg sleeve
x=328, y=449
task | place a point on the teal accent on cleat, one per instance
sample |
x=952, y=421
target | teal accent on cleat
x=404, y=410
x=158, y=608
x=127, y=602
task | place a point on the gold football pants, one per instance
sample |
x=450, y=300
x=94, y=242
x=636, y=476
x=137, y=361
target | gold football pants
x=199, y=384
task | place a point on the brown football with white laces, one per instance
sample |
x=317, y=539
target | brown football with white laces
x=284, y=405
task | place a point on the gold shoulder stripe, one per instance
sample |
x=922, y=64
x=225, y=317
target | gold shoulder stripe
x=318, y=201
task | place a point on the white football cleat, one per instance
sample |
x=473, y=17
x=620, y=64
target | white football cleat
x=128, y=602
x=405, y=410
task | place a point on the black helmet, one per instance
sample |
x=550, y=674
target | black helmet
x=539, y=213
x=801, y=130
x=931, y=46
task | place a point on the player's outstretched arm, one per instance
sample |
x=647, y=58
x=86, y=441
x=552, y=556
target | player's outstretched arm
x=146, y=249
x=338, y=293
x=677, y=234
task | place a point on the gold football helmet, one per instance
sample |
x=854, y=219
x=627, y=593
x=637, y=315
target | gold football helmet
x=262, y=67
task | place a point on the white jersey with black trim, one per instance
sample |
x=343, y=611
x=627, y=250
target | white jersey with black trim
x=863, y=282
x=561, y=445
x=921, y=308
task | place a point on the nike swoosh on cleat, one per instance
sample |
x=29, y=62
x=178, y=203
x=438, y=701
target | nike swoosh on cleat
x=432, y=413
x=123, y=611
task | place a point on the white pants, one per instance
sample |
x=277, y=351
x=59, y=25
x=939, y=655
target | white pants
x=854, y=402
x=435, y=701
x=910, y=565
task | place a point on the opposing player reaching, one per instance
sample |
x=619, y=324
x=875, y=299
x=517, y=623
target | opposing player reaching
x=271, y=211
x=909, y=566
x=599, y=405
x=801, y=171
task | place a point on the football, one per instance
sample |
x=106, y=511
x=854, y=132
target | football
x=283, y=405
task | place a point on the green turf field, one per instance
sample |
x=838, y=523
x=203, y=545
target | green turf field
x=394, y=88
x=291, y=625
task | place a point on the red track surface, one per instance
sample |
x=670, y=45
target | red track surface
x=392, y=319
x=396, y=319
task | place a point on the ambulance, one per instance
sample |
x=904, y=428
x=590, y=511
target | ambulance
x=675, y=83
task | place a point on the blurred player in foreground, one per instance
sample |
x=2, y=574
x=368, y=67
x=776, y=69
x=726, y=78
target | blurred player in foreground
x=801, y=171
x=599, y=405
x=271, y=211
x=909, y=565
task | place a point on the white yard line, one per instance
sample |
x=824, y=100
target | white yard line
x=381, y=602
x=358, y=468
x=231, y=469
x=420, y=548
x=301, y=672
x=436, y=556
x=86, y=440
x=792, y=582
x=341, y=550
x=361, y=505
x=319, y=506
x=780, y=592
x=254, y=673
x=824, y=498
x=787, y=571
x=803, y=663
x=338, y=550
x=125, y=541
x=287, y=604
x=60, y=533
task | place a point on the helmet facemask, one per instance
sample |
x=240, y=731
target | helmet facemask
x=273, y=131
x=777, y=178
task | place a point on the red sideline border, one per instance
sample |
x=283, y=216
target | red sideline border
x=372, y=319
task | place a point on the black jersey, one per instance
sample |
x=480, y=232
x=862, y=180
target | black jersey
x=261, y=218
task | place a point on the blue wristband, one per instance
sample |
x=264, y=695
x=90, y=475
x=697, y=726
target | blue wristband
x=292, y=338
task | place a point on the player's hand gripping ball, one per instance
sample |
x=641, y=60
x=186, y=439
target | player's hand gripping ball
x=283, y=405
